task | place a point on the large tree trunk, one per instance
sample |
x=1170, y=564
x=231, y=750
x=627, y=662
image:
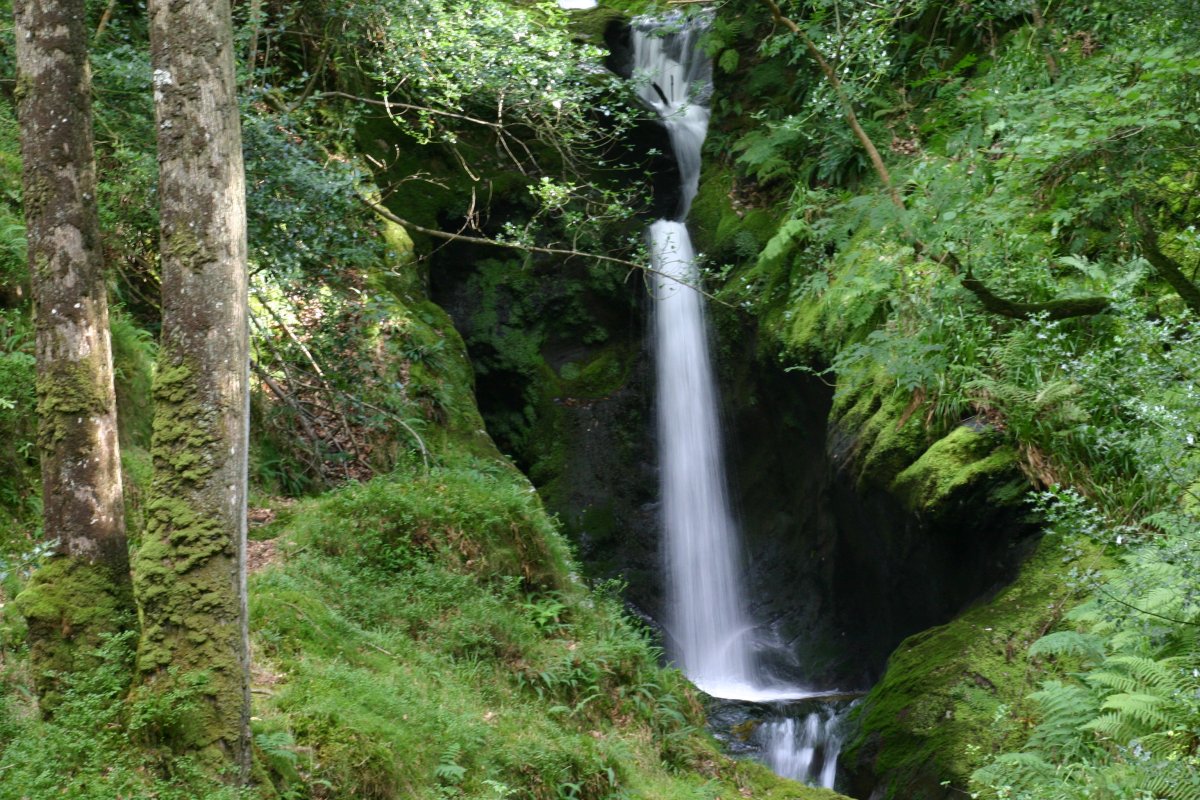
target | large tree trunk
x=84, y=590
x=190, y=575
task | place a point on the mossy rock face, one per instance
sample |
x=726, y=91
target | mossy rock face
x=957, y=693
x=889, y=440
x=591, y=25
x=721, y=231
x=955, y=465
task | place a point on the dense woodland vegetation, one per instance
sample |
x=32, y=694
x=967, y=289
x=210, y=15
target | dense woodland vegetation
x=976, y=220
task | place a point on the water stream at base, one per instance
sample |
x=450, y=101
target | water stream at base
x=712, y=636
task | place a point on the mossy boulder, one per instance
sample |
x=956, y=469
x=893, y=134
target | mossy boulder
x=966, y=459
x=957, y=693
x=889, y=440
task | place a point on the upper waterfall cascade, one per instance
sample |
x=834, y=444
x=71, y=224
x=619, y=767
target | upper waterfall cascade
x=673, y=77
x=712, y=636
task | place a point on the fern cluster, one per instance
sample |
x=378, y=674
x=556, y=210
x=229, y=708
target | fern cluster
x=1127, y=723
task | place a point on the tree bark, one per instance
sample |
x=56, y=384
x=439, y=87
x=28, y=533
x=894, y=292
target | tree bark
x=84, y=590
x=190, y=574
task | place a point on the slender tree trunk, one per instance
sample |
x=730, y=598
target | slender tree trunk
x=256, y=14
x=843, y=99
x=190, y=571
x=84, y=590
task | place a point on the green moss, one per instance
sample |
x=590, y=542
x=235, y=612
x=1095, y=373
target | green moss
x=182, y=428
x=890, y=440
x=404, y=275
x=805, y=332
x=589, y=25
x=721, y=231
x=957, y=693
x=185, y=582
x=760, y=782
x=69, y=605
x=954, y=464
x=854, y=405
x=66, y=390
x=606, y=371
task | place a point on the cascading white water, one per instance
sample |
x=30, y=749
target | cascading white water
x=712, y=635
x=804, y=751
x=673, y=76
x=708, y=624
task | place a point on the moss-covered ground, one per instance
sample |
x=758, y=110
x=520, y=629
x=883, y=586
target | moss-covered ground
x=422, y=636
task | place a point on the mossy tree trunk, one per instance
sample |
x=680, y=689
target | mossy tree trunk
x=84, y=590
x=190, y=575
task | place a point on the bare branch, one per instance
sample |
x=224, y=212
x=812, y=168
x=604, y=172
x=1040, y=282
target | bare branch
x=528, y=248
x=389, y=104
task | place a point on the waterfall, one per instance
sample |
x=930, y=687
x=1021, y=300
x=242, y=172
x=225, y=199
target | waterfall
x=711, y=634
x=708, y=624
x=673, y=77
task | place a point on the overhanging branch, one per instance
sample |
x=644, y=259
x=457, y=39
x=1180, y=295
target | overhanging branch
x=1167, y=267
x=528, y=248
x=1063, y=308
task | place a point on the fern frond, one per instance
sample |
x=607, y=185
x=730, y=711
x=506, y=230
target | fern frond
x=1113, y=680
x=1089, y=646
x=1165, y=676
x=1113, y=726
x=1174, y=784
x=1018, y=770
x=1150, y=711
x=1066, y=708
x=1172, y=744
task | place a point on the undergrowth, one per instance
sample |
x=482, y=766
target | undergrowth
x=417, y=643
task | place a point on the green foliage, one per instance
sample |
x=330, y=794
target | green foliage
x=294, y=191
x=20, y=495
x=494, y=60
x=134, y=353
x=422, y=661
x=84, y=750
x=1127, y=724
x=13, y=269
x=1023, y=149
